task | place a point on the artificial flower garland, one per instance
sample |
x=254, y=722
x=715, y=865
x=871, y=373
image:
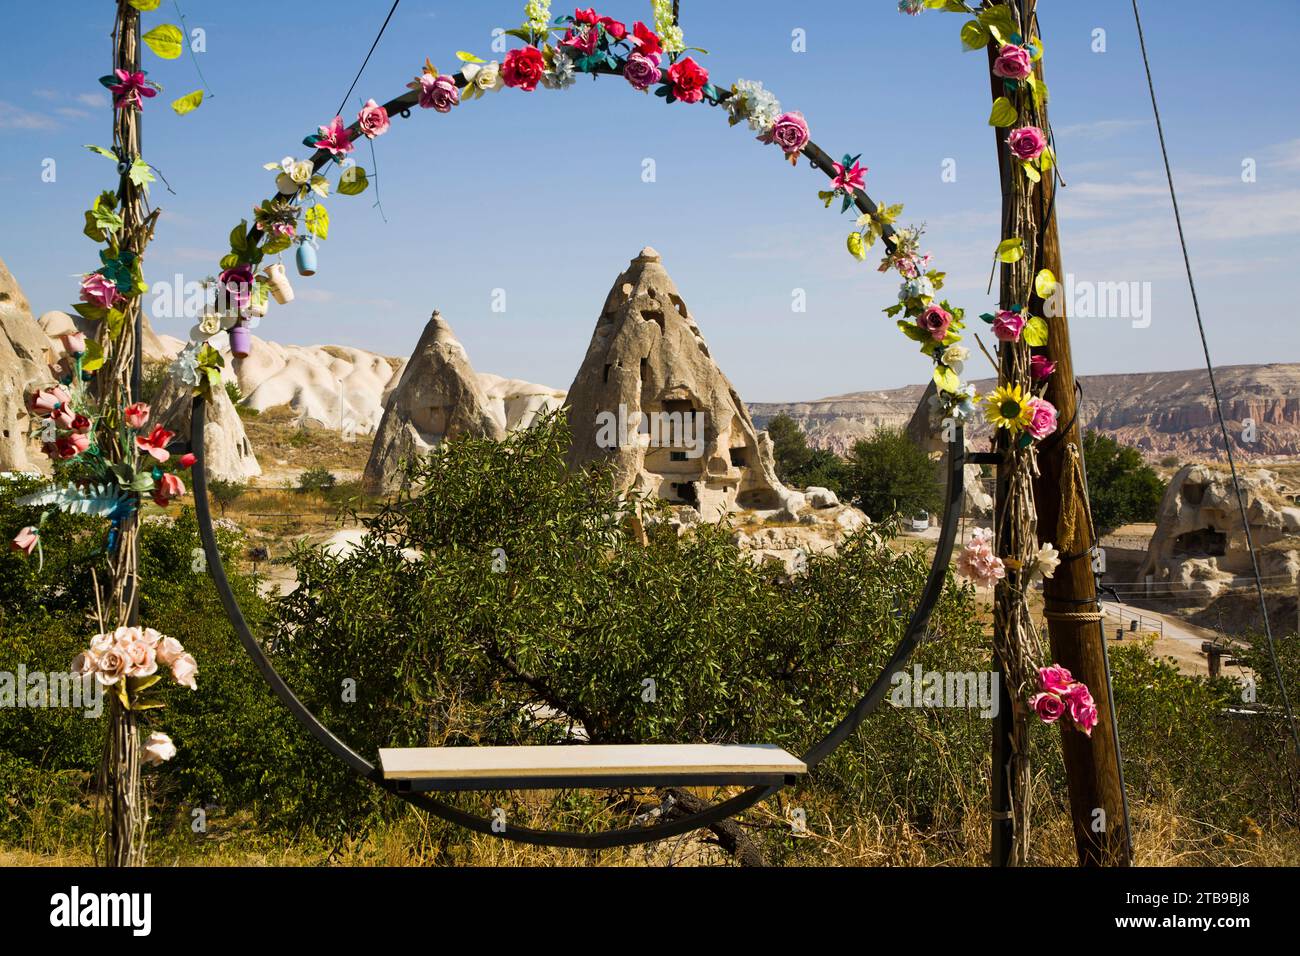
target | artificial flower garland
x=554, y=53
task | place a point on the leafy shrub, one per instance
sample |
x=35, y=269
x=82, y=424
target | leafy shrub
x=316, y=478
x=890, y=475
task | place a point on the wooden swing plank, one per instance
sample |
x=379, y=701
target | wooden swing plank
x=589, y=765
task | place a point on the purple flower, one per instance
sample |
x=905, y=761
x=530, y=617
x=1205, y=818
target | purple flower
x=790, y=132
x=437, y=92
x=238, y=283
x=642, y=71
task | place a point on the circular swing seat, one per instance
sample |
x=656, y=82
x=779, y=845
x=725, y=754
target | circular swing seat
x=412, y=773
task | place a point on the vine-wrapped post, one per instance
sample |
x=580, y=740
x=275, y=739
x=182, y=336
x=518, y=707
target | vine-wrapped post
x=1048, y=502
x=119, y=380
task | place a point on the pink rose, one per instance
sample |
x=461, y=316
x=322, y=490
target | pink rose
x=1008, y=326
x=150, y=636
x=373, y=119
x=137, y=415
x=1054, y=679
x=935, y=320
x=74, y=342
x=1013, y=62
x=144, y=660
x=523, y=68
x=1084, y=717
x=1026, y=143
x=113, y=666
x=438, y=92
x=790, y=132
x=642, y=71
x=158, y=748
x=614, y=28
x=25, y=540
x=98, y=289
x=1042, y=417
x=1041, y=368
x=185, y=670
x=1049, y=707
x=168, y=487
x=169, y=651
x=80, y=424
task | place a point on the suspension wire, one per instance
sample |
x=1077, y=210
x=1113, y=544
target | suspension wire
x=193, y=58
x=1214, y=388
x=357, y=78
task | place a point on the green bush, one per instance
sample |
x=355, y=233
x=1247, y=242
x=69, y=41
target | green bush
x=890, y=475
x=316, y=478
x=1122, y=487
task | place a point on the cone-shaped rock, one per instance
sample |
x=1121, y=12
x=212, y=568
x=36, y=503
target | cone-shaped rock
x=227, y=454
x=438, y=397
x=650, y=398
x=23, y=358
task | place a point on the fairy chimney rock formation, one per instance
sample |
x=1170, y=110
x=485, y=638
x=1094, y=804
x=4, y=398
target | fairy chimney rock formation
x=23, y=368
x=438, y=397
x=227, y=454
x=650, y=399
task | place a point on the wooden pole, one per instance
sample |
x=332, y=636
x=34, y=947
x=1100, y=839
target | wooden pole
x=1076, y=632
x=117, y=386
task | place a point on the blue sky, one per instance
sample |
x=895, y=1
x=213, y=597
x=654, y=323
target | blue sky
x=542, y=195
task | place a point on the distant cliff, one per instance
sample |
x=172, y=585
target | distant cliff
x=1161, y=413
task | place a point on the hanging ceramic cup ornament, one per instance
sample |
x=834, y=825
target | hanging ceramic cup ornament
x=306, y=257
x=279, y=283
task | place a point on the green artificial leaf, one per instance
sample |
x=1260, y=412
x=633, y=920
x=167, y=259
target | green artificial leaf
x=468, y=57
x=114, y=321
x=1035, y=331
x=1045, y=283
x=144, y=6
x=975, y=35
x=166, y=40
x=893, y=310
x=887, y=215
x=276, y=244
x=1011, y=250
x=946, y=379
x=93, y=358
x=103, y=152
x=147, y=704
x=827, y=196
x=141, y=174
x=318, y=221
x=1030, y=173
x=229, y=261
x=320, y=185
x=90, y=312
x=188, y=103
x=913, y=331
x=1004, y=113
x=999, y=21
x=142, y=482
x=239, y=237
x=353, y=181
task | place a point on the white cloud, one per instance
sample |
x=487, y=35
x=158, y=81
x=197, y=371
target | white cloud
x=15, y=117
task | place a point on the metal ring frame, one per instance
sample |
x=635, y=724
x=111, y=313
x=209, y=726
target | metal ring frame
x=627, y=836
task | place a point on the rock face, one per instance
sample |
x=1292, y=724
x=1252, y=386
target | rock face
x=23, y=367
x=157, y=348
x=438, y=397
x=1199, y=543
x=650, y=398
x=1160, y=413
x=227, y=453
x=313, y=381
x=977, y=502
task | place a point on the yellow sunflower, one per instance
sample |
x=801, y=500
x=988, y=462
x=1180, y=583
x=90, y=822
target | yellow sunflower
x=1007, y=407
